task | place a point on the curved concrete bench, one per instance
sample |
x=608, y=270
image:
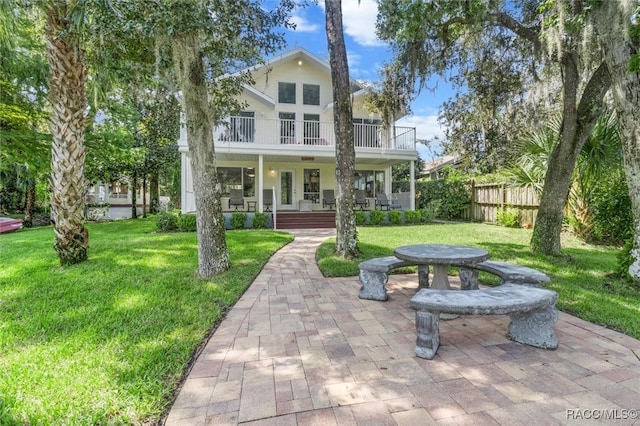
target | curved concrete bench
x=508, y=272
x=532, y=310
x=374, y=274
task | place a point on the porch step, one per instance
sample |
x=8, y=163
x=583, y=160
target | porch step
x=305, y=220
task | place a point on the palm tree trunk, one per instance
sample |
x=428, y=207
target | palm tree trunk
x=67, y=93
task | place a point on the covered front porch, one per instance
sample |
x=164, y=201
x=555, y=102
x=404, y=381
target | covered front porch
x=294, y=183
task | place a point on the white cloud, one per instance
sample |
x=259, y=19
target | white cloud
x=303, y=25
x=359, y=21
x=427, y=127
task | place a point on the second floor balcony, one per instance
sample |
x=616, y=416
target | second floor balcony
x=311, y=132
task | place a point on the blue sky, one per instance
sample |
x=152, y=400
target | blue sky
x=366, y=54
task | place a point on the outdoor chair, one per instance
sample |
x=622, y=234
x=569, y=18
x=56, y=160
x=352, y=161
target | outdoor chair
x=235, y=199
x=382, y=202
x=328, y=198
x=361, y=199
x=267, y=199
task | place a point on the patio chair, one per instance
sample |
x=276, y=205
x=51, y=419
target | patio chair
x=328, y=198
x=382, y=202
x=235, y=199
x=267, y=199
x=361, y=199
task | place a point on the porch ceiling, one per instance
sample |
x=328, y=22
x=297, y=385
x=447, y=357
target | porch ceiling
x=310, y=158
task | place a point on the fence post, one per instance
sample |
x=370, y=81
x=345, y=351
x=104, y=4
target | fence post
x=472, y=206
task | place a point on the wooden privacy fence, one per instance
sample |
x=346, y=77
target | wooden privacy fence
x=487, y=199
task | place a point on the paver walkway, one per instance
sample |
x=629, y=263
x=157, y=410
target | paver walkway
x=299, y=348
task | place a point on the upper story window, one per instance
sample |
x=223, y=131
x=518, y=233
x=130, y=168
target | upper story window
x=311, y=94
x=286, y=93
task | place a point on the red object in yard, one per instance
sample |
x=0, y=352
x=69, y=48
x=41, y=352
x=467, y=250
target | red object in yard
x=8, y=224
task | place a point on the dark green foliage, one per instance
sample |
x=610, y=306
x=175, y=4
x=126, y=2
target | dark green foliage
x=187, y=223
x=260, y=220
x=395, y=217
x=411, y=216
x=238, y=220
x=509, y=217
x=361, y=218
x=427, y=214
x=376, y=217
x=625, y=260
x=167, y=221
x=611, y=210
x=451, y=196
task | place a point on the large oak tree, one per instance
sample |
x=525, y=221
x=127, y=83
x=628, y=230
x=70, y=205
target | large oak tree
x=432, y=37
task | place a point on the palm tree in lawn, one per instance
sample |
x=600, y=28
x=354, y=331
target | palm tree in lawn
x=67, y=94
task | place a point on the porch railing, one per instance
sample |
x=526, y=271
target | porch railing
x=314, y=133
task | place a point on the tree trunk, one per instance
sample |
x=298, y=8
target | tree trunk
x=144, y=196
x=346, y=232
x=30, y=204
x=213, y=256
x=612, y=21
x=67, y=94
x=154, y=193
x=134, y=195
x=578, y=120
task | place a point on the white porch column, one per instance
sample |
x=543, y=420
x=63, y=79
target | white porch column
x=260, y=183
x=388, y=176
x=412, y=185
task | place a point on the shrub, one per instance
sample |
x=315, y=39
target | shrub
x=395, y=217
x=376, y=217
x=428, y=213
x=412, y=216
x=238, y=220
x=610, y=208
x=451, y=194
x=187, y=222
x=260, y=220
x=361, y=218
x=625, y=260
x=509, y=217
x=167, y=221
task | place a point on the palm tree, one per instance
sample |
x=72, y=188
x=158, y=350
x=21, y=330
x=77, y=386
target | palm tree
x=67, y=94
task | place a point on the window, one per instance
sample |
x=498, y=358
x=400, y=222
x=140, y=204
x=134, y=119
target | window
x=311, y=129
x=311, y=94
x=237, y=178
x=312, y=185
x=286, y=93
x=370, y=181
x=287, y=127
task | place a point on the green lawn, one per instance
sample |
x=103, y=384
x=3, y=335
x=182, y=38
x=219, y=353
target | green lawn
x=584, y=282
x=107, y=341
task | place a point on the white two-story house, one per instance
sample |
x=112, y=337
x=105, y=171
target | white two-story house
x=284, y=141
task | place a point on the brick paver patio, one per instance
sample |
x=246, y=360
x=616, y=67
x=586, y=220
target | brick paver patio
x=299, y=348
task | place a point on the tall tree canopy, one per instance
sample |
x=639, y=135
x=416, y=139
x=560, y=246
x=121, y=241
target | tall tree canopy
x=433, y=37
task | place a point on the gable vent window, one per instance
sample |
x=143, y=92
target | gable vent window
x=286, y=93
x=311, y=94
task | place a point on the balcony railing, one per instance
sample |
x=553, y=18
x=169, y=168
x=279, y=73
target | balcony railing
x=298, y=132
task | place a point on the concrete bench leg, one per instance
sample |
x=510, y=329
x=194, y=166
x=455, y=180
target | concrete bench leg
x=535, y=328
x=468, y=279
x=423, y=276
x=373, y=285
x=428, y=340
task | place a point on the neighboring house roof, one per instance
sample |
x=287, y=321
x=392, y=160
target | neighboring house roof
x=440, y=163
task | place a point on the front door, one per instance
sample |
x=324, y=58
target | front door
x=287, y=198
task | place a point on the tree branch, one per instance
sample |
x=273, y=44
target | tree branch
x=531, y=33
